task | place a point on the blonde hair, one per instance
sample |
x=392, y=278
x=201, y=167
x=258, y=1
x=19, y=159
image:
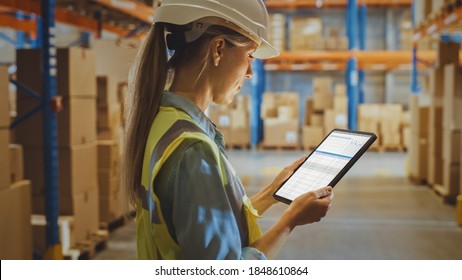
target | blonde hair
x=147, y=82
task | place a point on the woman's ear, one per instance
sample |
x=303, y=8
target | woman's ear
x=218, y=46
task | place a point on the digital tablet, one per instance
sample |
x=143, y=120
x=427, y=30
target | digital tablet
x=326, y=164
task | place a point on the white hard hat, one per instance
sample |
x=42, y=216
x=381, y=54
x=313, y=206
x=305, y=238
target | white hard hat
x=250, y=16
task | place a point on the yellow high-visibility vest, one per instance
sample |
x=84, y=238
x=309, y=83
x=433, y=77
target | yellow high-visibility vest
x=170, y=127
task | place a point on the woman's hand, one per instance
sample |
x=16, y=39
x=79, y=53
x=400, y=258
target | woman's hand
x=285, y=174
x=264, y=199
x=308, y=208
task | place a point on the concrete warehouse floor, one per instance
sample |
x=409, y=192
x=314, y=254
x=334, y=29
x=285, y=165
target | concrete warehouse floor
x=376, y=214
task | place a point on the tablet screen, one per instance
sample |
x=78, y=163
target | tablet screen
x=325, y=163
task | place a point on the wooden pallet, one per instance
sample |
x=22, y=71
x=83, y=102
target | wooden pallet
x=417, y=181
x=237, y=146
x=391, y=148
x=280, y=147
x=113, y=225
x=86, y=249
x=117, y=222
x=441, y=192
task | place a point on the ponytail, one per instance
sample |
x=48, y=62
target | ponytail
x=147, y=81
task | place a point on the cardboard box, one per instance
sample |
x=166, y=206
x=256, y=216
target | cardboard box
x=323, y=101
x=406, y=137
x=108, y=181
x=76, y=71
x=340, y=104
x=29, y=70
x=107, y=91
x=317, y=119
x=77, y=168
x=452, y=113
x=16, y=231
x=109, y=208
x=111, y=134
x=4, y=159
x=322, y=85
x=109, y=116
x=4, y=98
x=108, y=154
x=114, y=60
x=329, y=121
x=16, y=163
x=391, y=138
x=312, y=136
x=83, y=206
x=280, y=133
x=448, y=53
x=308, y=111
x=419, y=157
x=286, y=112
x=76, y=123
x=238, y=136
x=451, y=180
x=239, y=118
x=340, y=90
x=451, y=146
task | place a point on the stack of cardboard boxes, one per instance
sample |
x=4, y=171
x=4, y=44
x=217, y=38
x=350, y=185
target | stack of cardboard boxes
x=280, y=116
x=276, y=30
x=324, y=112
x=15, y=209
x=306, y=34
x=452, y=126
x=109, y=128
x=444, y=124
x=419, y=107
x=233, y=121
x=391, y=126
x=335, y=41
x=388, y=121
x=77, y=142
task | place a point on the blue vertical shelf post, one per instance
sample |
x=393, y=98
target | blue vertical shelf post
x=362, y=46
x=258, y=88
x=351, y=76
x=50, y=125
x=415, y=89
x=20, y=35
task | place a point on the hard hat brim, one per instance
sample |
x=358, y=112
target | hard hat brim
x=265, y=51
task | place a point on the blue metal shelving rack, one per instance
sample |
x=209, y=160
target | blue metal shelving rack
x=351, y=77
x=49, y=104
x=50, y=125
x=362, y=46
x=415, y=89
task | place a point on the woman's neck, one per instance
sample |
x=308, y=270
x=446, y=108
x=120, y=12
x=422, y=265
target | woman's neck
x=199, y=92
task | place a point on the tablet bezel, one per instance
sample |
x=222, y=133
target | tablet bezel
x=344, y=170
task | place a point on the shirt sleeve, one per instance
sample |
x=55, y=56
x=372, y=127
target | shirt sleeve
x=202, y=217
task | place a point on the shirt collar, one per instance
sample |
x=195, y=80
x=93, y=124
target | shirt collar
x=172, y=100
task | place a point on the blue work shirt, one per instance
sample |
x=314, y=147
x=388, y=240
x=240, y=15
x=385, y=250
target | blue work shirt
x=203, y=216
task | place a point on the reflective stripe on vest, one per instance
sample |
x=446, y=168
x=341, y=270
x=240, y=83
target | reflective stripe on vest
x=169, y=129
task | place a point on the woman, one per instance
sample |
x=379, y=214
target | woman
x=190, y=203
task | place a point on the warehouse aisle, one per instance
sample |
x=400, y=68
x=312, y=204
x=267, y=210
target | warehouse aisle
x=376, y=214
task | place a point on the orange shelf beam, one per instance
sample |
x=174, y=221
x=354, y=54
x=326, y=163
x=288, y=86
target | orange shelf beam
x=445, y=20
x=28, y=26
x=336, y=60
x=62, y=15
x=335, y=4
x=132, y=8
